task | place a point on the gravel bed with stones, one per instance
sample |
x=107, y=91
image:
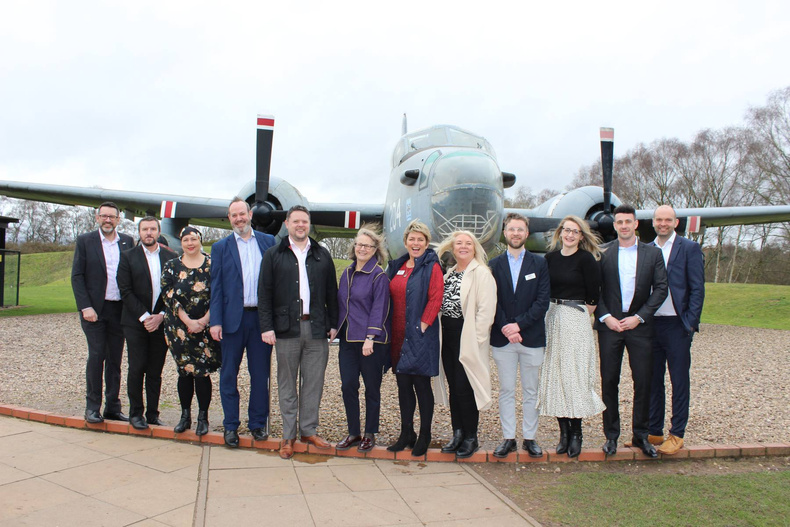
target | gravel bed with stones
x=739, y=391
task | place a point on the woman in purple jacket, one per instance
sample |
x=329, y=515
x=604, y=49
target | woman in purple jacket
x=364, y=306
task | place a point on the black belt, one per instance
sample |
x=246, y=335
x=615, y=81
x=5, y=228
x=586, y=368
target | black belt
x=250, y=308
x=576, y=304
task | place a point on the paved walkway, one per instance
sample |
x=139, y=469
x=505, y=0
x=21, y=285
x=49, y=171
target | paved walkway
x=53, y=475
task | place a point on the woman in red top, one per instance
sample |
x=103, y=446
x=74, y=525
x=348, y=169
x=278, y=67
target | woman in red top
x=416, y=288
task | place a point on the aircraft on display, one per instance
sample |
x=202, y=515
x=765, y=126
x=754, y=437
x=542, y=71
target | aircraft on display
x=446, y=176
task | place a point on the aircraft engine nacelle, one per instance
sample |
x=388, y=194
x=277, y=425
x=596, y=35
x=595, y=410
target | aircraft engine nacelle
x=269, y=216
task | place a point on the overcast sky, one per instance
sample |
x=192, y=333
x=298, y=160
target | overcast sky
x=162, y=96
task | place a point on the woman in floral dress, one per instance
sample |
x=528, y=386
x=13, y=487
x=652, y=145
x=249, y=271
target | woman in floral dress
x=186, y=289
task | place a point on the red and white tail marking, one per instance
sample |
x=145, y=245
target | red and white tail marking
x=607, y=134
x=168, y=209
x=693, y=224
x=352, y=219
x=265, y=122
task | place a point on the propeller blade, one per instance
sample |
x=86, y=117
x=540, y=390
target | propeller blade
x=607, y=157
x=263, y=161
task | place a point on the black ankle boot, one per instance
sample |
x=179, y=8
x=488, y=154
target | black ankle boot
x=468, y=447
x=407, y=439
x=202, y=423
x=455, y=442
x=575, y=442
x=562, y=446
x=185, y=423
x=421, y=446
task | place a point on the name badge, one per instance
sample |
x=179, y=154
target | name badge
x=401, y=272
x=530, y=276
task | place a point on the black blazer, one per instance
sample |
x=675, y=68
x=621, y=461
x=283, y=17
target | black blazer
x=134, y=281
x=651, y=284
x=89, y=270
x=527, y=305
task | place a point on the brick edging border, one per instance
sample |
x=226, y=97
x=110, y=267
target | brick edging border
x=379, y=452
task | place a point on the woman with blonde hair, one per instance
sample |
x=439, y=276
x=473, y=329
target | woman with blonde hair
x=567, y=380
x=416, y=287
x=468, y=309
x=363, y=299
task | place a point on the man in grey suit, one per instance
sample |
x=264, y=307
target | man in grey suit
x=93, y=279
x=633, y=286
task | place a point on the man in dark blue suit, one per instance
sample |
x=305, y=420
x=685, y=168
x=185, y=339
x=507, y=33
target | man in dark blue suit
x=518, y=336
x=676, y=322
x=235, y=266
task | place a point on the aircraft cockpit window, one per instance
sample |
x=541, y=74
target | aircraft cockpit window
x=458, y=137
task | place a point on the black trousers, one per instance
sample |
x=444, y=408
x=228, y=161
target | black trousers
x=353, y=364
x=640, y=357
x=463, y=407
x=105, y=351
x=147, y=352
x=411, y=390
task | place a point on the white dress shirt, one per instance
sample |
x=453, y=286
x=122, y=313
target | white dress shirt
x=626, y=262
x=250, y=255
x=155, y=272
x=304, y=283
x=112, y=257
x=667, y=309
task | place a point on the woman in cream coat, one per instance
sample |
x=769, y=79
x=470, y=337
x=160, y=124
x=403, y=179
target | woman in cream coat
x=468, y=309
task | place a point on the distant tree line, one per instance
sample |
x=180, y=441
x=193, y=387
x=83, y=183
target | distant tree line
x=737, y=166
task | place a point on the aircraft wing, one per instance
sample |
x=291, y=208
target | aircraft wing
x=342, y=220
x=722, y=216
x=213, y=210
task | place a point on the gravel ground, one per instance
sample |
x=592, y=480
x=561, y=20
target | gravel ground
x=739, y=383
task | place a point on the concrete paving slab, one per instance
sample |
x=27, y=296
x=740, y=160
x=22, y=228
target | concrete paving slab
x=22, y=442
x=152, y=496
x=362, y=477
x=168, y=456
x=9, y=474
x=10, y=427
x=224, y=458
x=84, y=511
x=457, y=502
x=286, y=510
x=53, y=459
x=241, y=483
x=180, y=517
x=101, y=476
x=402, y=467
x=27, y=496
x=435, y=479
x=352, y=509
x=115, y=444
x=510, y=520
x=319, y=480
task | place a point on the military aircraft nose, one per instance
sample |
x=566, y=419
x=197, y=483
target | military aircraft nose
x=467, y=194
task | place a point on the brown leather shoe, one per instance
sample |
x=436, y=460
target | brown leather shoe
x=287, y=448
x=367, y=443
x=348, y=442
x=671, y=446
x=656, y=440
x=316, y=441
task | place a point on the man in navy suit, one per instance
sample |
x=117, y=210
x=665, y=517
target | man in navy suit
x=235, y=266
x=93, y=279
x=518, y=336
x=676, y=322
x=140, y=283
x=633, y=286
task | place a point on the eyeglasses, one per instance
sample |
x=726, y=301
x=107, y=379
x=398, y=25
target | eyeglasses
x=107, y=216
x=364, y=246
x=575, y=232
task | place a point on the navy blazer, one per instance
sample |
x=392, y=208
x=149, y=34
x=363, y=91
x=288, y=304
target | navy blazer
x=227, y=282
x=89, y=270
x=527, y=305
x=134, y=281
x=649, y=293
x=686, y=278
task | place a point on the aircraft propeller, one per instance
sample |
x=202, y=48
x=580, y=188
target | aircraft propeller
x=262, y=217
x=603, y=220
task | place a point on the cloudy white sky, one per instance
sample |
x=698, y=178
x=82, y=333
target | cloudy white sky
x=162, y=95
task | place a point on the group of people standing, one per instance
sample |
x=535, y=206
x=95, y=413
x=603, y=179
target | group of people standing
x=435, y=330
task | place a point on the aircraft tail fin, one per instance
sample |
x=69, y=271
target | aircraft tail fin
x=403, y=126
